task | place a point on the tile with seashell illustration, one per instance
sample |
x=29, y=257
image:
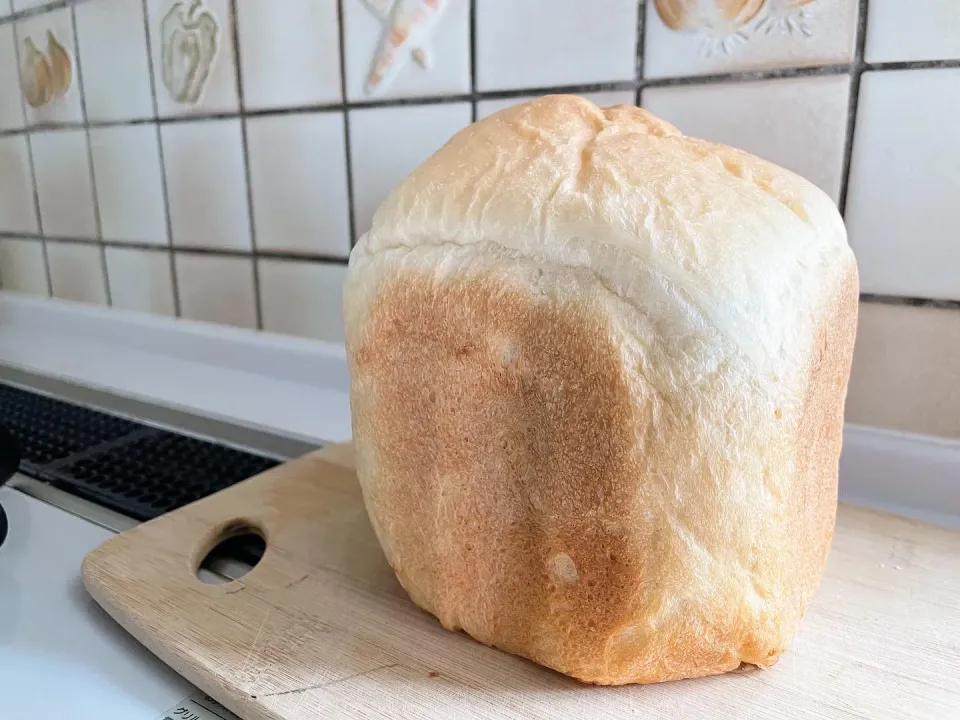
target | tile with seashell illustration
x=701, y=37
x=48, y=68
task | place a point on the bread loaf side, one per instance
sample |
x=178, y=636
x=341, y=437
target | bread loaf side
x=598, y=373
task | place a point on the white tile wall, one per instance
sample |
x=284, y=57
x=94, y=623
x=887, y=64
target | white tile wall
x=27, y=4
x=61, y=161
x=387, y=144
x=447, y=45
x=203, y=190
x=902, y=208
x=206, y=184
x=600, y=99
x=140, y=280
x=112, y=38
x=129, y=183
x=905, y=372
x=302, y=298
x=918, y=30
x=17, y=208
x=36, y=28
x=11, y=107
x=298, y=178
x=203, y=63
x=289, y=52
x=530, y=43
x=696, y=38
x=76, y=272
x=800, y=123
x=216, y=289
x=22, y=268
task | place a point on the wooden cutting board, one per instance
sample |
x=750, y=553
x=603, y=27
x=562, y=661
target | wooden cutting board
x=320, y=627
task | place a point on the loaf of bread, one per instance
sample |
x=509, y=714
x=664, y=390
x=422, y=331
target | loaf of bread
x=598, y=374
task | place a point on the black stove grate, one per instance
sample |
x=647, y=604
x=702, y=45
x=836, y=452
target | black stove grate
x=135, y=469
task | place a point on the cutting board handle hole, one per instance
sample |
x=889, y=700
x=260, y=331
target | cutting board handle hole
x=236, y=550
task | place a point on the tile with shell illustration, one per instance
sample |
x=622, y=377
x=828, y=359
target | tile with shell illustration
x=405, y=48
x=194, y=64
x=48, y=68
x=697, y=37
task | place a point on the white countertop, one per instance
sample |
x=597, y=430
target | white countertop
x=61, y=655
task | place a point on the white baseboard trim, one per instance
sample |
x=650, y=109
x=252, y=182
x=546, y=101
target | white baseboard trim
x=300, y=389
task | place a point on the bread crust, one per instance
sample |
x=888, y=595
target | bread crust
x=597, y=379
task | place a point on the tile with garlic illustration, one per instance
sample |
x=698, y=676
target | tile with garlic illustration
x=48, y=79
x=405, y=48
x=697, y=37
x=194, y=64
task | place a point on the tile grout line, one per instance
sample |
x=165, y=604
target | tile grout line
x=919, y=302
x=744, y=77
x=164, y=192
x=472, y=39
x=852, y=106
x=640, y=49
x=344, y=109
x=865, y=297
x=18, y=15
x=257, y=300
x=33, y=171
x=98, y=228
x=196, y=250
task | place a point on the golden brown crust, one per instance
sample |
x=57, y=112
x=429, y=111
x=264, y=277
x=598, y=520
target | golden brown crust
x=597, y=409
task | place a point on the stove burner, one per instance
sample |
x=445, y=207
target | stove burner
x=9, y=464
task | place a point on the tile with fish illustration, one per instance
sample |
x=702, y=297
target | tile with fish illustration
x=406, y=48
x=48, y=73
x=194, y=65
x=702, y=37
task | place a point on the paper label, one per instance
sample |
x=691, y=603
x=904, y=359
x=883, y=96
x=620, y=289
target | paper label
x=198, y=707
